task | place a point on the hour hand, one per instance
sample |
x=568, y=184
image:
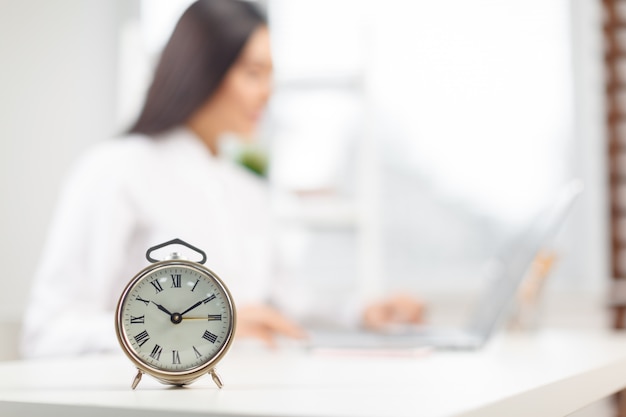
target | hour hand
x=163, y=309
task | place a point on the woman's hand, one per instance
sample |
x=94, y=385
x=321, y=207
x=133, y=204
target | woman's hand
x=265, y=323
x=396, y=309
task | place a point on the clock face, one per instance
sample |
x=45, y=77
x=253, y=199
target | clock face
x=176, y=318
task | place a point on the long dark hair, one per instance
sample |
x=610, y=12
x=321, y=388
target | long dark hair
x=206, y=41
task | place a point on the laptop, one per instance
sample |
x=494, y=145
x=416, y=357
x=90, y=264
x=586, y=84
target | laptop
x=505, y=276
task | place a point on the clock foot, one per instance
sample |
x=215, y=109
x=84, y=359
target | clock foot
x=137, y=379
x=216, y=378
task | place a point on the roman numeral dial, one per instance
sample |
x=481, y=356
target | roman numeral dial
x=137, y=320
x=176, y=317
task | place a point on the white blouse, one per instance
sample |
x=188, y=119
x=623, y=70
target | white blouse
x=123, y=197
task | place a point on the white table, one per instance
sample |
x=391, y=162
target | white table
x=550, y=373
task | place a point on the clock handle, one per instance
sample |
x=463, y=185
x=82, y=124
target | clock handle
x=174, y=242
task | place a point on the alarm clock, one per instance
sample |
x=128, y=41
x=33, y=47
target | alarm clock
x=175, y=320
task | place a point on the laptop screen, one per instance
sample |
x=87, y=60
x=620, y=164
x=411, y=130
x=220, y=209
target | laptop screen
x=507, y=271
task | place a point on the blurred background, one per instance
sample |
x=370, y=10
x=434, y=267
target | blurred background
x=407, y=141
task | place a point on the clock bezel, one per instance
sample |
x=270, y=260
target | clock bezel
x=186, y=376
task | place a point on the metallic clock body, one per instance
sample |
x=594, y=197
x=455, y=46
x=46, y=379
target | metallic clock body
x=145, y=362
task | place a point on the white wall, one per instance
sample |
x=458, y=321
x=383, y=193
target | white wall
x=57, y=79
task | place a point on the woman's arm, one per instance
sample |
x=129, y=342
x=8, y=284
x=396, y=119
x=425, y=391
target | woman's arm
x=71, y=306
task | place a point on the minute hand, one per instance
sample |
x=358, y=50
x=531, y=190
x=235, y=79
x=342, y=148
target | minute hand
x=191, y=308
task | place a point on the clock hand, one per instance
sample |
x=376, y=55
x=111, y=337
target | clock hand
x=163, y=309
x=191, y=308
x=208, y=317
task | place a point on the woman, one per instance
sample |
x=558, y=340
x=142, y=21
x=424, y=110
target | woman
x=165, y=180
